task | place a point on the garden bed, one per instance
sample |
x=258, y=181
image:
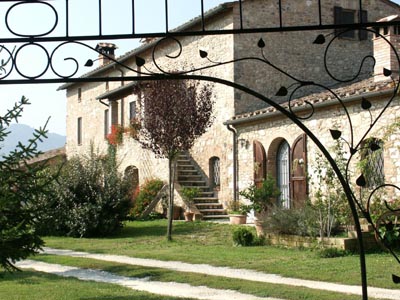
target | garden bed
x=344, y=243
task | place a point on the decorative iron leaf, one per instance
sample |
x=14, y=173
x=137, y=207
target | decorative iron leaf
x=203, y=54
x=261, y=43
x=387, y=72
x=374, y=146
x=282, y=92
x=361, y=181
x=365, y=104
x=336, y=134
x=319, y=40
x=140, y=61
x=89, y=63
x=396, y=279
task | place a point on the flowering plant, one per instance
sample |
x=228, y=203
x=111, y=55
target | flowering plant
x=115, y=136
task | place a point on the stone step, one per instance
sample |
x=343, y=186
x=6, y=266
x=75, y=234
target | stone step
x=196, y=183
x=186, y=176
x=365, y=227
x=210, y=207
x=207, y=211
x=353, y=234
x=201, y=200
x=201, y=187
x=215, y=217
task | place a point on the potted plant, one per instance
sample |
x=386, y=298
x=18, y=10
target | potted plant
x=261, y=198
x=237, y=212
x=188, y=195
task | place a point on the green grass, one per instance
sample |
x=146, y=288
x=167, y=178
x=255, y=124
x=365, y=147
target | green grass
x=242, y=286
x=29, y=285
x=205, y=242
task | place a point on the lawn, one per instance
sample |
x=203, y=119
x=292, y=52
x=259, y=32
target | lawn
x=197, y=242
x=211, y=243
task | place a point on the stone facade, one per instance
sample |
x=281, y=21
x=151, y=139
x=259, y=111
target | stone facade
x=292, y=52
x=271, y=130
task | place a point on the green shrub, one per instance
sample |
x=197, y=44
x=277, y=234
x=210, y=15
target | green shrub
x=295, y=221
x=90, y=198
x=242, y=237
x=146, y=194
x=333, y=252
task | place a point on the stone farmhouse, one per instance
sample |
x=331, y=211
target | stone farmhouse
x=249, y=138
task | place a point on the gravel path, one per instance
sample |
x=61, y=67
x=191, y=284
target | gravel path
x=173, y=289
x=232, y=273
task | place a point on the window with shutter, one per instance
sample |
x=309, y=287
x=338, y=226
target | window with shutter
x=348, y=16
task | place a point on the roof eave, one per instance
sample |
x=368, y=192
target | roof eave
x=192, y=23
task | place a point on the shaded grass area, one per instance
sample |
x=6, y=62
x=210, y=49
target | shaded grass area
x=211, y=243
x=242, y=286
x=29, y=285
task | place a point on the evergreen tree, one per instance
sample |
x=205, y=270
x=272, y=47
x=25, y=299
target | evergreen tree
x=20, y=185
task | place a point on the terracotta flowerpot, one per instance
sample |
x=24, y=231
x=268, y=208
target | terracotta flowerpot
x=188, y=216
x=237, y=219
x=177, y=212
x=260, y=227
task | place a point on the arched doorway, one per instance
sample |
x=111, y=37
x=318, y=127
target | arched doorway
x=283, y=173
x=260, y=163
x=132, y=174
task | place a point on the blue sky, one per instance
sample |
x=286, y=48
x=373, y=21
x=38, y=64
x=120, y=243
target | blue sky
x=46, y=101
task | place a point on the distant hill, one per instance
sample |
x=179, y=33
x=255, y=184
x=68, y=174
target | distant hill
x=22, y=133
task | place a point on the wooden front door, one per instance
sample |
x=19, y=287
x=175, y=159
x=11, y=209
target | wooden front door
x=260, y=163
x=299, y=171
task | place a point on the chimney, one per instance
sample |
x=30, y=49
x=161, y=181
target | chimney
x=385, y=58
x=106, y=51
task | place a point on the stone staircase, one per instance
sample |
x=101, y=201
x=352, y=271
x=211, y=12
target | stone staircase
x=207, y=204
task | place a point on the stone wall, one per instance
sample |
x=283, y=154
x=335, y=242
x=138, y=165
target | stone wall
x=294, y=52
x=216, y=142
x=275, y=128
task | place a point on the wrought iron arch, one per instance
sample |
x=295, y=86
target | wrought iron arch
x=42, y=40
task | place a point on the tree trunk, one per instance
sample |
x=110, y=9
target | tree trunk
x=171, y=169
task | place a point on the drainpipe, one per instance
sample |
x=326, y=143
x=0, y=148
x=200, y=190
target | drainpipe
x=235, y=161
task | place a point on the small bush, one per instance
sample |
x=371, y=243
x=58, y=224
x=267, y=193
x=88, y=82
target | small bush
x=333, y=252
x=243, y=237
x=146, y=194
x=296, y=221
x=90, y=198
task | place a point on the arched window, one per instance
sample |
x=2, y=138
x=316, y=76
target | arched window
x=372, y=162
x=283, y=173
x=214, y=172
x=132, y=174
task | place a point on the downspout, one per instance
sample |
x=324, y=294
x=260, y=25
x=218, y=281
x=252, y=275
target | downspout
x=235, y=162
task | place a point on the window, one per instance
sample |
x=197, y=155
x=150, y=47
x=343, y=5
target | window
x=348, y=16
x=79, y=94
x=79, y=131
x=283, y=174
x=132, y=110
x=114, y=112
x=372, y=162
x=106, y=122
x=215, y=172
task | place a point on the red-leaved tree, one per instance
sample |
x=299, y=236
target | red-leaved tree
x=175, y=114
